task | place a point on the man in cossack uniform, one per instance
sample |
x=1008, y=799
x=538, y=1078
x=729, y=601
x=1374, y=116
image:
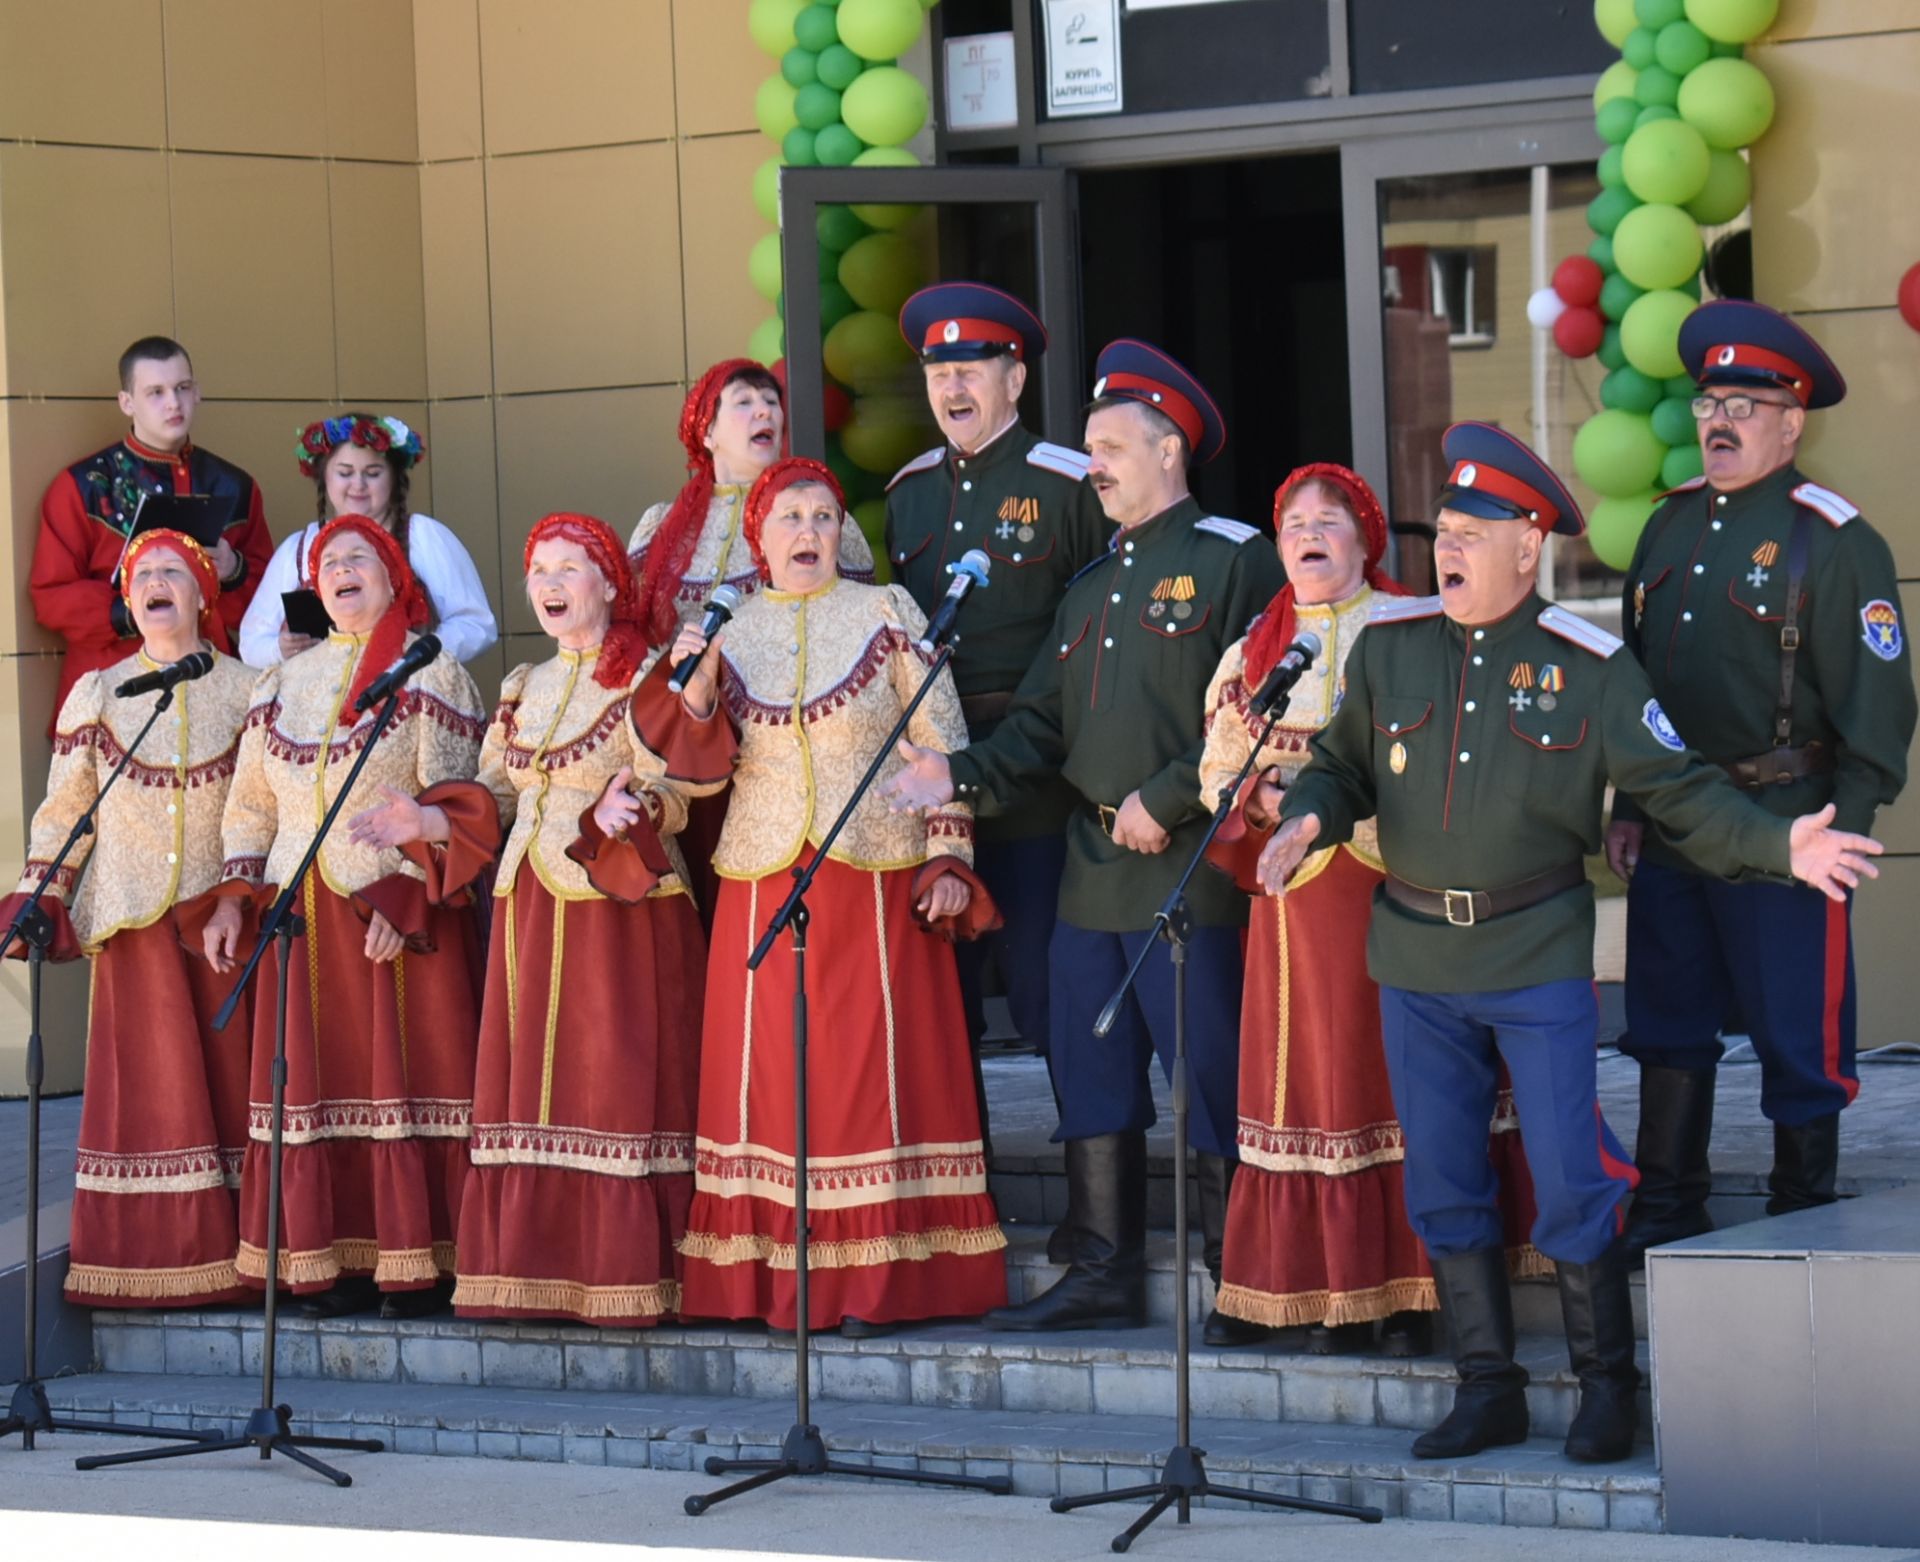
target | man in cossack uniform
x=1027, y=503
x=1480, y=727
x=1767, y=614
x=87, y=515
x=1116, y=706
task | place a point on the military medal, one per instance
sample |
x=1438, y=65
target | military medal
x=1553, y=678
x=1026, y=534
x=1397, y=758
x=1156, y=610
x=1521, y=680
x=1639, y=603
x=1184, y=592
x=1764, y=558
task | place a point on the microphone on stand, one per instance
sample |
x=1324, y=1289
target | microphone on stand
x=416, y=657
x=971, y=571
x=1286, y=672
x=195, y=664
x=721, y=606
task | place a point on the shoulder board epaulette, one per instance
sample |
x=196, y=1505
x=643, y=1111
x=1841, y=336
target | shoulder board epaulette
x=1588, y=636
x=926, y=460
x=1384, y=609
x=1684, y=488
x=1058, y=458
x=1236, y=532
x=1837, y=508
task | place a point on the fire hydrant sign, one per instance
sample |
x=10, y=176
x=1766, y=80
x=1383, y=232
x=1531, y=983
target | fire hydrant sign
x=1083, y=57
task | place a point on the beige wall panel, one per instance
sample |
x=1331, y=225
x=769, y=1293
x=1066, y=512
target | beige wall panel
x=1883, y=916
x=585, y=261
x=453, y=236
x=716, y=68
x=258, y=314
x=466, y=491
x=721, y=305
x=260, y=436
x=607, y=453
x=571, y=73
x=247, y=76
x=380, y=336
x=113, y=46
x=1841, y=147
x=446, y=66
x=1898, y=827
x=73, y=297
x=367, y=60
x=1830, y=18
x=42, y=437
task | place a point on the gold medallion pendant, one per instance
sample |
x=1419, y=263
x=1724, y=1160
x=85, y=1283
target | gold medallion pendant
x=1397, y=758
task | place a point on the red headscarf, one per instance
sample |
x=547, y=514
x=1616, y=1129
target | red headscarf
x=625, y=644
x=197, y=560
x=1272, y=632
x=408, y=609
x=672, y=547
x=770, y=484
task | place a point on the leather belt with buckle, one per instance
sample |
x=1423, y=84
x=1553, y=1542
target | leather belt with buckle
x=1104, y=815
x=980, y=709
x=1469, y=907
x=1779, y=766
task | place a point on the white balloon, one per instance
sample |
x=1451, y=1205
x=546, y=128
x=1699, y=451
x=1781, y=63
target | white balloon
x=1545, y=307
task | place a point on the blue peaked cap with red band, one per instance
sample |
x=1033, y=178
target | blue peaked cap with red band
x=952, y=321
x=1494, y=476
x=1734, y=341
x=1139, y=371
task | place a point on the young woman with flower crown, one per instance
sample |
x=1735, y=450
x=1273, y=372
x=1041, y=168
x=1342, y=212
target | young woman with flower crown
x=361, y=465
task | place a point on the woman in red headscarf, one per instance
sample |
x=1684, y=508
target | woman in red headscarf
x=383, y=1006
x=1317, y=1240
x=811, y=675
x=164, y=1122
x=589, y=1040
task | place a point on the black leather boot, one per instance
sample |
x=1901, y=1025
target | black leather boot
x=1597, y=1309
x=1213, y=1176
x=1060, y=1243
x=1490, y=1404
x=1806, y=1161
x=1105, y=1286
x=1676, y=1123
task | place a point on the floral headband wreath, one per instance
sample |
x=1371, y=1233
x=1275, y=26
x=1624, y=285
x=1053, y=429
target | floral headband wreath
x=383, y=436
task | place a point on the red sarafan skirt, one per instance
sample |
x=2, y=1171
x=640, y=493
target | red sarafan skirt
x=380, y=1062
x=163, y=1127
x=583, y=1109
x=1317, y=1228
x=902, y=1225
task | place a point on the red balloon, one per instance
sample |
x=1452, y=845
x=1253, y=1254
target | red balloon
x=778, y=369
x=836, y=405
x=1910, y=296
x=1579, y=332
x=1578, y=280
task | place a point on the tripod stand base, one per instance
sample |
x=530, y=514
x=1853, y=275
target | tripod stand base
x=803, y=1452
x=1184, y=1477
x=268, y=1429
x=30, y=1414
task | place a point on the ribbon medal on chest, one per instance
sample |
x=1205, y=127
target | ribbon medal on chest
x=1173, y=593
x=1553, y=679
x=1520, y=679
x=1017, y=519
x=1764, y=558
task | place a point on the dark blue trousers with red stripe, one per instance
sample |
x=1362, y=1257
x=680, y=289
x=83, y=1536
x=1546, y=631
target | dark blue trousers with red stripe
x=1443, y=1056
x=1781, y=953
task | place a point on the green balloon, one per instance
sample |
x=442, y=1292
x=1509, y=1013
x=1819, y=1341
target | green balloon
x=1729, y=51
x=881, y=272
x=1653, y=113
x=1637, y=51
x=839, y=66
x=880, y=29
x=1606, y=209
x=885, y=107
x=1614, y=527
x=796, y=148
x=1616, y=453
x=816, y=107
x=815, y=28
x=1611, y=354
x=1673, y=419
x=1681, y=387
x=836, y=146
x=835, y=305
x=1628, y=390
x=1728, y=101
x=780, y=306
x=1657, y=14
x=836, y=227
x=1610, y=169
x=768, y=344
x=1650, y=332
x=1732, y=21
x=1680, y=46
x=798, y=67
x=1616, y=81
x=766, y=190
x=1600, y=252
x=1656, y=88
x=773, y=108
x=890, y=216
x=1691, y=287
x=1614, y=19
x=1617, y=296
x=770, y=24
x=1728, y=188
x=763, y=265
x=1683, y=464
x=1666, y=162
x=1614, y=119
x=1657, y=246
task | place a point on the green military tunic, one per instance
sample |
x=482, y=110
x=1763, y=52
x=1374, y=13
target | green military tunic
x=1704, y=600
x=1485, y=753
x=1029, y=506
x=1117, y=703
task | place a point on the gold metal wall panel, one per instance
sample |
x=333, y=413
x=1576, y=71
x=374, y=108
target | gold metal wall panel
x=82, y=70
x=716, y=69
x=720, y=228
x=453, y=241
x=380, y=333
x=247, y=76
x=576, y=73
x=367, y=59
x=446, y=73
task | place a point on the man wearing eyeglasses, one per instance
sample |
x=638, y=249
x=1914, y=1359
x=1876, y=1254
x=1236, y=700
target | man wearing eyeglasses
x=1766, y=612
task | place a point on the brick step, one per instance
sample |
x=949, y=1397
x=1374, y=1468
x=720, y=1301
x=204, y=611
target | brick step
x=1044, y=1453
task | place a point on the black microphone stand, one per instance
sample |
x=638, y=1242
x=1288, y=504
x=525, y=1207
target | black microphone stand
x=270, y=1427
x=1184, y=1475
x=804, y=1451
x=30, y=1413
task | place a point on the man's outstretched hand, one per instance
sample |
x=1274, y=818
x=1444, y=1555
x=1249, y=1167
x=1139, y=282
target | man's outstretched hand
x=924, y=781
x=1830, y=860
x=1286, y=851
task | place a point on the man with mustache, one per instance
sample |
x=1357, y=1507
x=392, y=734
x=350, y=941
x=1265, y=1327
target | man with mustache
x=993, y=485
x=1767, y=614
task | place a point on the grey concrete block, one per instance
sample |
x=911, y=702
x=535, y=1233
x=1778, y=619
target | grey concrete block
x=1550, y=1408
x=606, y=1369
x=1579, y=1509
x=690, y=1371
x=1327, y=1488
x=1636, y=1513
x=203, y=1353
x=1475, y=1504
x=359, y=1358
x=1045, y=1385
x=765, y=1374
x=955, y=1384
x=521, y=1364
x=628, y=1453
x=677, y=1454
x=1133, y=1391
x=1530, y=1506
x=1388, y=1496
x=1414, y=1403
x=131, y=1350
x=425, y=1359
x=988, y=1469
x=451, y=1441
x=1240, y=1396
x=414, y=1440
x=543, y=1446
x=1035, y=1478
x=1077, y=1479
x=295, y=1355
x=498, y=1445
x=874, y=1380
x=1327, y=1397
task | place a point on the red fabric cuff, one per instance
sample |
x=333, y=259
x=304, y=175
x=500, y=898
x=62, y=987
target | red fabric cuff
x=66, y=942
x=981, y=916
x=623, y=868
x=698, y=752
x=1235, y=851
x=403, y=901
x=473, y=820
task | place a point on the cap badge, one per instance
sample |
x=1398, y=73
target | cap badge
x=1467, y=474
x=950, y=332
x=1099, y=387
x=1726, y=357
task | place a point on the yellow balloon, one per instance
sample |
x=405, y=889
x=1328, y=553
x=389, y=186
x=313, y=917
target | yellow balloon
x=866, y=351
x=1616, y=81
x=886, y=216
x=885, y=432
x=1614, y=527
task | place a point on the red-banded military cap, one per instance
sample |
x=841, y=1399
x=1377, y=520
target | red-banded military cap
x=1138, y=371
x=951, y=321
x=1496, y=477
x=1734, y=341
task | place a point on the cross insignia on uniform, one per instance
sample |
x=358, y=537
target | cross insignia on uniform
x=1757, y=577
x=1004, y=530
x=1518, y=699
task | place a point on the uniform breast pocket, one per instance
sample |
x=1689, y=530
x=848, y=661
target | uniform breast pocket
x=1018, y=554
x=1402, y=729
x=1075, y=641
x=1174, y=620
x=905, y=551
x=1543, y=747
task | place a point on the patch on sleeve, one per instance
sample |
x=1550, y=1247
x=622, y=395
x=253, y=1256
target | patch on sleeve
x=1236, y=532
x=1880, y=628
x=1656, y=722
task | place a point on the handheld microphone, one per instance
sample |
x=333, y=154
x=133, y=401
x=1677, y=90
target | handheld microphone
x=1286, y=672
x=196, y=664
x=416, y=656
x=721, y=606
x=971, y=571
